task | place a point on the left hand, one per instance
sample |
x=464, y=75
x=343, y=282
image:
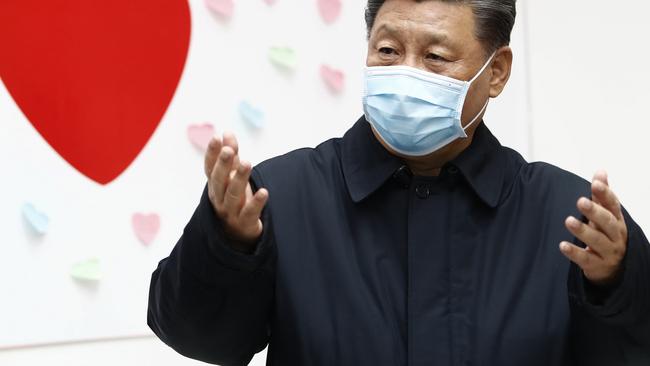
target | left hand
x=605, y=235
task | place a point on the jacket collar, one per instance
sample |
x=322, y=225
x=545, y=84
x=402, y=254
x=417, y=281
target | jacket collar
x=367, y=165
x=483, y=165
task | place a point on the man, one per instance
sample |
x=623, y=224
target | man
x=416, y=239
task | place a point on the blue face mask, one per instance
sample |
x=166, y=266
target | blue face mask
x=416, y=112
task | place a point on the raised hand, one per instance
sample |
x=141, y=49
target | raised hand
x=230, y=191
x=605, y=235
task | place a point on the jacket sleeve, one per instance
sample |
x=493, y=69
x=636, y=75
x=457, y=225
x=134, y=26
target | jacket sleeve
x=209, y=301
x=612, y=325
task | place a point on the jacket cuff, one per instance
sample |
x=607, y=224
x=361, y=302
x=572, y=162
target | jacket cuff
x=617, y=304
x=222, y=246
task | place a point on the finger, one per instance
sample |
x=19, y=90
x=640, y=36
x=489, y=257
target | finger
x=235, y=196
x=584, y=258
x=607, y=198
x=596, y=240
x=211, y=155
x=602, y=176
x=220, y=176
x=235, y=164
x=602, y=218
x=253, y=208
x=229, y=139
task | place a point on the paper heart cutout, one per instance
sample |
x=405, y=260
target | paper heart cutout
x=270, y=2
x=284, y=57
x=251, y=115
x=223, y=8
x=329, y=10
x=88, y=270
x=37, y=220
x=146, y=227
x=94, y=78
x=200, y=135
x=335, y=79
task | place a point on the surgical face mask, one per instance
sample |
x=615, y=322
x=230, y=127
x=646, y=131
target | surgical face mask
x=416, y=112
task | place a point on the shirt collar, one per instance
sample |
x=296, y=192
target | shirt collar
x=367, y=165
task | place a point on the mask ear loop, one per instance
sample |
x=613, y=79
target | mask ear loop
x=480, y=72
x=487, y=63
x=477, y=116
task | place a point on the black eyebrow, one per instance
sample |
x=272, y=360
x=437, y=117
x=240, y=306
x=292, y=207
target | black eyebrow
x=435, y=38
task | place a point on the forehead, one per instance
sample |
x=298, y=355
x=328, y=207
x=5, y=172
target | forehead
x=442, y=19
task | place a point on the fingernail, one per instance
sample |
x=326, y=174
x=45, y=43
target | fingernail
x=565, y=247
x=213, y=142
x=225, y=154
x=599, y=186
x=573, y=222
x=586, y=203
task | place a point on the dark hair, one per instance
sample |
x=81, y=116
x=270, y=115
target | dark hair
x=494, y=19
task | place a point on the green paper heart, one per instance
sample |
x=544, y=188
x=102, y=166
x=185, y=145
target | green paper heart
x=88, y=270
x=285, y=57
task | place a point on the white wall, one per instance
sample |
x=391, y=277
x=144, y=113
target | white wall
x=147, y=351
x=589, y=78
x=587, y=63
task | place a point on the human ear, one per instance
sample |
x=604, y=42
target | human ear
x=501, y=69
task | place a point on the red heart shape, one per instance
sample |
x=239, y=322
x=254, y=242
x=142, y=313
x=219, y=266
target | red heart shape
x=94, y=77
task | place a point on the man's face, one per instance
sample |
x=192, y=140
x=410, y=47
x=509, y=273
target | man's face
x=434, y=36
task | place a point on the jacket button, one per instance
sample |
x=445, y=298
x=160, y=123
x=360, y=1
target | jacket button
x=403, y=176
x=452, y=170
x=422, y=191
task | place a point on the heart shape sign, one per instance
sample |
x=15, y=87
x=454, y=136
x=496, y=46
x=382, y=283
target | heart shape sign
x=335, y=79
x=329, y=10
x=223, y=8
x=37, y=220
x=94, y=78
x=200, y=135
x=284, y=57
x=251, y=115
x=146, y=227
x=88, y=270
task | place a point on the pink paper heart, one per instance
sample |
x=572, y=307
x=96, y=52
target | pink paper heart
x=335, y=79
x=270, y=2
x=146, y=226
x=200, y=135
x=329, y=10
x=224, y=8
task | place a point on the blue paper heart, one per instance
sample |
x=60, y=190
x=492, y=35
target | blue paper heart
x=251, y=115
x=36, y=220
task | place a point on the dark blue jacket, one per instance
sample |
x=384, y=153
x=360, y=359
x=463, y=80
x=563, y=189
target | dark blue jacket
x=361, y=263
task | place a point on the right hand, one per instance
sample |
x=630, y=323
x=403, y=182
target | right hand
x=230, y=191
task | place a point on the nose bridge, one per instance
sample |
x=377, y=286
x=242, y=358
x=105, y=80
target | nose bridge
x=412, y=58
